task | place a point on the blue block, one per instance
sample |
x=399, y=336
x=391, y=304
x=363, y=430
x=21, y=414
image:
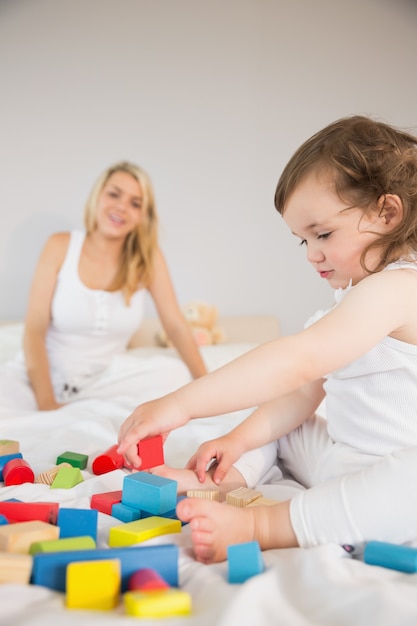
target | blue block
x=392, y=556
x=245, y=560
x=5, y=458
x=3, y=520
x=77, y=523
x=149, y=492
x=125, y=513
x=49, y=568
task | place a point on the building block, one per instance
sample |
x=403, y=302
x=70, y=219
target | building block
x=141, y=530
x=244, y=561
x=146, y=579
x=103, y=502
x=151, y=452
x=149, y=492
x=204, y=494
x=49, y=568
x=59, y=545
x=9, y=446
x=47, y=477
x=73, y=458
x=108, y=461
x=27, y=511
x=77, y=522
x=15, y=568
x=3, y=520
x=242, y=496
x=93, y=585
x=262, y=502
x=392, y=556
x=17, y=472
x=125, y=513
x=67, y=477
x=155, y=604
x=20, y=536
x=5, y=459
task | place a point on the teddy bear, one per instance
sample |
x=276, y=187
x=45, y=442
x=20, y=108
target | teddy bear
x=202, y=318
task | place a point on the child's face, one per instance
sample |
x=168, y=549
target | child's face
x=334, y=237
x=119, y=207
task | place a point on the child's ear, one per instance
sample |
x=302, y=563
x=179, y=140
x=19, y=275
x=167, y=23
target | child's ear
x=390, y=210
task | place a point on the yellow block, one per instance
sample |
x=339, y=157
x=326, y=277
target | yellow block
x=141, y=530
x=15, y=568
x=93, y=584
x=164, y=603
x=19, y=537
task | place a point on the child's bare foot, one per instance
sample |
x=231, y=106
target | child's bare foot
x=187, y=479
x=214, y=526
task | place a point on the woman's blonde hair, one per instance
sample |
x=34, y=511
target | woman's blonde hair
x=136, y=267
x=366, y=160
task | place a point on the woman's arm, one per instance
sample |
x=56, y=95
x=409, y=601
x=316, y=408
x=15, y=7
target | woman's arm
x=38, y=317
x=172, y=319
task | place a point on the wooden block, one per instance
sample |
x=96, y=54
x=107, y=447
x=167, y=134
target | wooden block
x=20, y=536
x=141, y=530
x=47, y=477
x=5, y=459
x=156, y=604
x=26, y=511
x=77, y=522
x=15, y=568
x=242, y=496
x=49, y=568
x=57, y=545
x=93, y=585
x=73, y=458
x=67, y=477
x=263, y=502
x=3, y=520
x=204, y=494
x=108, y=461
x=9, y=446
x=244, y=561
x=146, y=579
x=149, y=492
x=103, y=502
x=17, y=472
x=151, y=452
x=125, y=513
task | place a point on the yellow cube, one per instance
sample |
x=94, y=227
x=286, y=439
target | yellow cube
x=141, y=530
x=166, y=603
x=93, y=584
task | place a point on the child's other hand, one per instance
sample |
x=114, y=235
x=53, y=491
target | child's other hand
x=225, y=450
x=157, y=417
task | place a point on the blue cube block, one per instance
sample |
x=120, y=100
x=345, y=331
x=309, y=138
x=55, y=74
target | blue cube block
x=149, y=492
x=77, y=523
x=3, y=520
x=5, y=458
x=245, y=560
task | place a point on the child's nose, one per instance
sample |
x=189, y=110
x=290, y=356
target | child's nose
x=314, y=252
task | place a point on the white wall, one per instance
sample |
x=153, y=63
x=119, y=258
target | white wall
x=211, y=98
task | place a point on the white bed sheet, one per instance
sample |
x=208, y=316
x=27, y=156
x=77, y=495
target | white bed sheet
x=316, y=587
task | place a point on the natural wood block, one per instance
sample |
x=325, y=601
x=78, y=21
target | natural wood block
x=20, y=536
x=263, y=502
x=15, y=568
x=204, y=494
x=9, y=446
x=242, y=496
x=47, y=477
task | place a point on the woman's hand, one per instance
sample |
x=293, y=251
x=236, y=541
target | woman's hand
x=224, y=451
x=157, y=417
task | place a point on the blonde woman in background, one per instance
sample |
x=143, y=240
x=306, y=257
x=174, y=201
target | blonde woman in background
x=87, y=300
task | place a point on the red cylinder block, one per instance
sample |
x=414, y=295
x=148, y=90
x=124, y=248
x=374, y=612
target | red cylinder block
x=17, y=472
x=108, y=461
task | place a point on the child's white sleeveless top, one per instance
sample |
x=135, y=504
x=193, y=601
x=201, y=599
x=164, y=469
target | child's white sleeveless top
x=88, y=326
x=371, y=404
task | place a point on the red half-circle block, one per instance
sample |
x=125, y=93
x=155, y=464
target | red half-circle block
x=17, y=472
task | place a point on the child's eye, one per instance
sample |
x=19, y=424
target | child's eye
x=303, y=242
x=113, y=194
x=324, y=236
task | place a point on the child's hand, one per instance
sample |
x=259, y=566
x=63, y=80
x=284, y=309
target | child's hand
x=157, y=417
x=225, y=450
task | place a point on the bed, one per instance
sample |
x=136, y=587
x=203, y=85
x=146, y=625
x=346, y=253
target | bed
x=321, y=586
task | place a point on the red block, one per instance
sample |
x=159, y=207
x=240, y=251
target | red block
x=146, y=579
x=108, y=461
x=151, y=452
x=17, y=472
x=103, y=502
x=28, y=511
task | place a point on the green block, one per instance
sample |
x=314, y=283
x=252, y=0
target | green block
x=60, y=545
x=73, y=458
x=67, y=477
